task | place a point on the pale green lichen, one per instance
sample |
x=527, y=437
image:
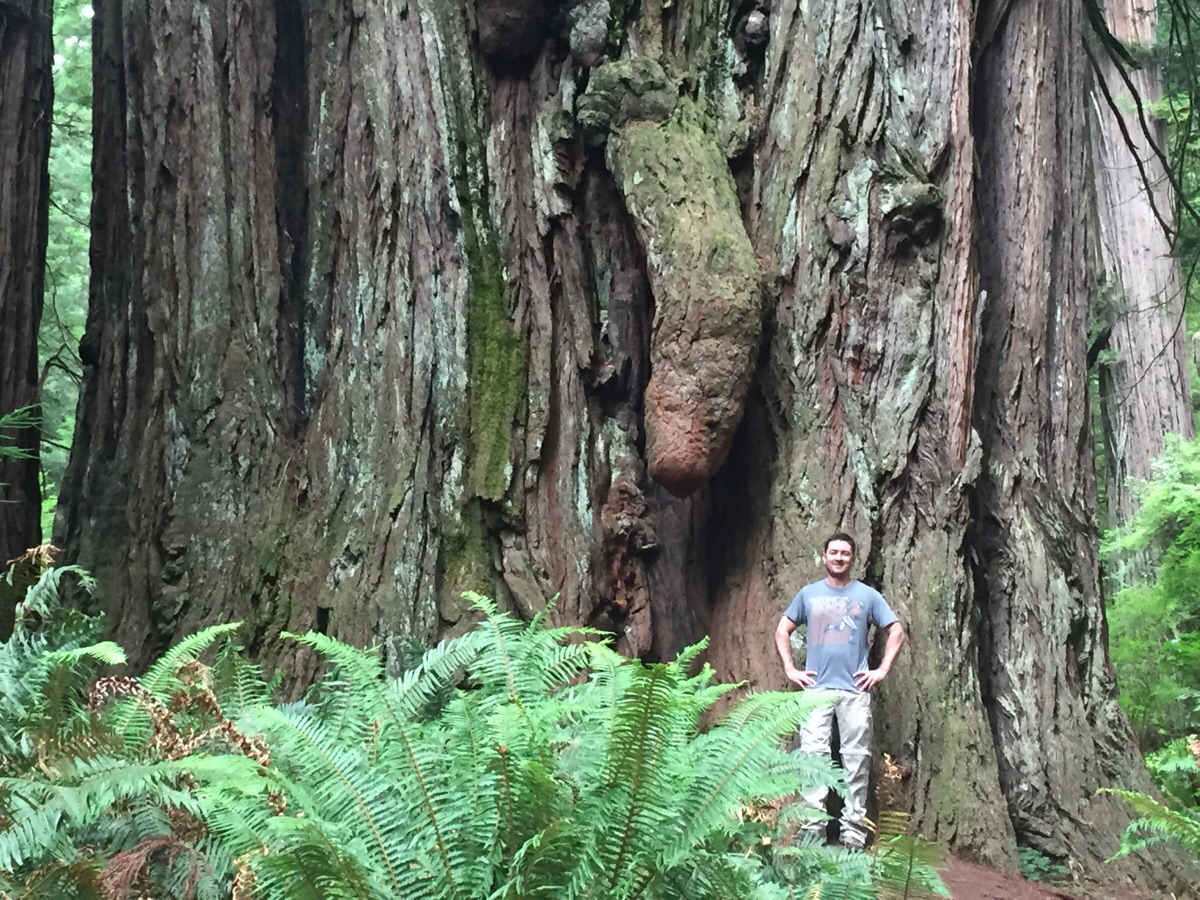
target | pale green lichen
x=856, y=208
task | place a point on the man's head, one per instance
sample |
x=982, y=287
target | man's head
x=839, y=555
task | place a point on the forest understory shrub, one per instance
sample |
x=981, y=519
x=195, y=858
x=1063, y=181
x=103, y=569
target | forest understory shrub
x=1154, y=613
x=517, y=761
x=1154, y=629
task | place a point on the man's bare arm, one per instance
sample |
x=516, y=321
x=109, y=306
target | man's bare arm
x=866, y=679
x=783, y=643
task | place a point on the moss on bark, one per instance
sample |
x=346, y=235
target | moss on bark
x=705, y=279
x=496, y=361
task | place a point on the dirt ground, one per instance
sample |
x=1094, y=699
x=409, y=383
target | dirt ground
x=971, y=882
x=968, y=881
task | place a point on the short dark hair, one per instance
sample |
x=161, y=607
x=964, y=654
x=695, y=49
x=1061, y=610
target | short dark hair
x=842, y=536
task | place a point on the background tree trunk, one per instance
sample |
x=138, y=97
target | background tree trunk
x=1144, y=391
x=394, y=300
x=26, y=95
x=1050, y=692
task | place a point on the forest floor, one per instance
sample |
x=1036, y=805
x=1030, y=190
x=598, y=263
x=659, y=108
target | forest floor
x=968, y=881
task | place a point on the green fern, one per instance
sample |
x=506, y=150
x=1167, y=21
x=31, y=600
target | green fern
x=161, y=679
x=130, y=720
x=21, y=419
x=1156, y=823
x=45, y=667
x=239, y=683
x=517, y=761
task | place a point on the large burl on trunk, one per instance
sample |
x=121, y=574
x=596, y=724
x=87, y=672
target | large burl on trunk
x=382, y=314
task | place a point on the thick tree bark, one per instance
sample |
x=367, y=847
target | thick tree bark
x=865, y=205
x=1058, y=731
x=26, y=96
x=415, y=298
x=273, y=410
x=1144, y=391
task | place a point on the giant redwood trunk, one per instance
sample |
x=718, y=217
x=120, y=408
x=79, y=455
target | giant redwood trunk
x=26, y=94
x=1144, y=391
x=631, y=305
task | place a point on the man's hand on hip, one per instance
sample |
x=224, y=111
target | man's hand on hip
x=866, y=679
x=804, y=680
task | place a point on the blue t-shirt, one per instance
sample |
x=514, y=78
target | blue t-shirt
x=837, y=620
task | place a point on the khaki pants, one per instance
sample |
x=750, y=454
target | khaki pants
x=853, y=713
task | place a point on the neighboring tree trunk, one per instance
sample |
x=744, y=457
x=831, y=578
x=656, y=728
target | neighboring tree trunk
x=1144, y=392
x=26, y=95
x=393, y=300
x=1058, y=731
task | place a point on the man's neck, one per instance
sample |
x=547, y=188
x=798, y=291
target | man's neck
x=838, y=582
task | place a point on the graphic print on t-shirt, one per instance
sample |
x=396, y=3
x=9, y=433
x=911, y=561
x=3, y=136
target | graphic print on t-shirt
x=833, y=620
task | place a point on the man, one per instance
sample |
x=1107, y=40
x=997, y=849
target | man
x=838, y=611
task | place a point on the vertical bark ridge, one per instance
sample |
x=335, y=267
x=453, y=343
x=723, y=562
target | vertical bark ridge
x=861, y=178
x=177, y=307
x=385, y=450
x=191, y=506
x=26, y=100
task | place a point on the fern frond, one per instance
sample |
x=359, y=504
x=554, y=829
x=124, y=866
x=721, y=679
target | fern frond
x=342, y=786
x=562, y=664
x=396, y=700
x=342, y=655
x=160, y=679
x=709, y=876
x=39, y=814
x=905, y=865
x=106, y=653
x=31, y=832
x=500, y=666
x=240, y=683
x=311, y=866
x=647, y=722
x=420, y=687
x=128, y=719
x=1156, y=823
x=689, y=655
x=76, y=880
x=44, y=711
x=736, y=760
x=472, y=751
x=44, y=597
x=235, y=827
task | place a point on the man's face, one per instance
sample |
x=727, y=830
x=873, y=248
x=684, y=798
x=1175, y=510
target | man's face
x=838, y=557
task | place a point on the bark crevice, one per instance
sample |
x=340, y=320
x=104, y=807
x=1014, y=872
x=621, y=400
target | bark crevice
x=289, y=118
